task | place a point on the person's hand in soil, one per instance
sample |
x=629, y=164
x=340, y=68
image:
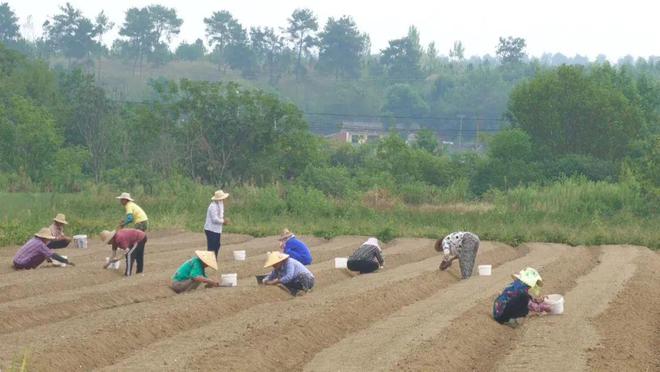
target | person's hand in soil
x=444, y=265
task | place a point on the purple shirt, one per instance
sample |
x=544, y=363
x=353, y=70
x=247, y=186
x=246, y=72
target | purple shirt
x=32, y=254
x=289, y=270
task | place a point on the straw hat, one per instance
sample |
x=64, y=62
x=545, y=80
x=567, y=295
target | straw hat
x=125, y=195
x=275, y=257
x=208, y=258
x=106, y=235
x=529, y=276
x=286, y=234
x=60, y=218
x=219, y=195
x=44, y=233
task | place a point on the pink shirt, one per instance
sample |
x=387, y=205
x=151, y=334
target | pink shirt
x=127, y=238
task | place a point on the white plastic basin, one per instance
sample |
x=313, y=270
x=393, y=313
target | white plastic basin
x=485, y=270
x=341, y=262
x=80, y=241
x=556, y=302
x=229, y=280
x=239, y=255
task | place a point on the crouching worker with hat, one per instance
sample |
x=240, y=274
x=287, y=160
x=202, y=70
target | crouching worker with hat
x=36, y=251
x=57, y=231
x=512, y=305
x=366, y=259
x=295, y=248
x=191, y=274
x=293, y=275
x=131, y=241
x=461, y=246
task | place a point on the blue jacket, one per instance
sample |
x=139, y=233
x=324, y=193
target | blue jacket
x=298, y=250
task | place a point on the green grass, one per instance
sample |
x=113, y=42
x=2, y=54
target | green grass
x=575, y=212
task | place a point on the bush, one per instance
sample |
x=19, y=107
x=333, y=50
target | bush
x=307, y=202
x=333, y=181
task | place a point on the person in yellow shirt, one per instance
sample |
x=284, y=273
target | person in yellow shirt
x=134, y=213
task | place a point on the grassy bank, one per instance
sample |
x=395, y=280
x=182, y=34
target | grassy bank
x=572, y=211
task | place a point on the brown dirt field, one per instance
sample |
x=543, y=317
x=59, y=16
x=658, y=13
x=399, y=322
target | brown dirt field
x=407, y=316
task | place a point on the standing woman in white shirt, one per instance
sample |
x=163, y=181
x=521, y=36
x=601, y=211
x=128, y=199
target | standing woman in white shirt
x=215, y=218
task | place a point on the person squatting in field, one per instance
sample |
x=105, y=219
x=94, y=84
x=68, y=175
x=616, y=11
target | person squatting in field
x=132, y=241
x=366, y=259
x=57, y=231
x=515, y=301
x=295, y=248
x=134, y=214
x=36, y=251
x=290, y=273
x=461, y=246
x=191, y=273
x=215, y=219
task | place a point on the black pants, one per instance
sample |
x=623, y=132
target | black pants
x=213, y=242
x=363, y=266
x=56, y=244
x=515, y=308
x=301, y=283
x=135, y=254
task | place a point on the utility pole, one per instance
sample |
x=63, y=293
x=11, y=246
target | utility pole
x=460, y=130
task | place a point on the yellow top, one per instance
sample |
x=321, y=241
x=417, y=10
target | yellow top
x=136, y=211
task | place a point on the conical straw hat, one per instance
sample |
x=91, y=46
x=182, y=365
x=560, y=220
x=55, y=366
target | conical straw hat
x=275, y=257
x=106, y=235
x=60, y=218
x=208, y=258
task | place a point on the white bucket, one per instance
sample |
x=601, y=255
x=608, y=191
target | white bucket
x=556, y=302
x=113, y=266
x=239, y=255
x=341, y=262
x=229, y=280
x=80, y=241
x=485, y=270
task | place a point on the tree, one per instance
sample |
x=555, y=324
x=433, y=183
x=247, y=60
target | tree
x=402, y=101
x=510, y=144
x=8, y=24
x=457, y=52
x=191, y=52
x=511, y=50
x=269, y=51
x=302, y=25
x=103, y=25
x=231, y=42
x=341, y=47
x=72, y=34
x=402, y=57
x=570, y=111
x=427, y=140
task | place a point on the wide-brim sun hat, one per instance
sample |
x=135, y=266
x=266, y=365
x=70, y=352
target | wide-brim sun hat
x=126, y=196
x=61, y=218
x=219, y=195
x=529, y=276
x=106, y=235
x=275, y=257
x=44, y=233
x=286, y=234
x=208, y=258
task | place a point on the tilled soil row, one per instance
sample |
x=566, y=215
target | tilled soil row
x=474, y=341
x=82, y=342
x=54, y=306
x=387, y=340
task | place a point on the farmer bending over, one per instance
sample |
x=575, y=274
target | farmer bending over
x=36, y=251
x=295, y=248
x=191, y=274
x=462, y=246
x=293, y=275
x=367, y=258
x=131, y=241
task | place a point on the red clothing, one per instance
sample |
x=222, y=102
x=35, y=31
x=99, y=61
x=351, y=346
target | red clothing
x=127, y=238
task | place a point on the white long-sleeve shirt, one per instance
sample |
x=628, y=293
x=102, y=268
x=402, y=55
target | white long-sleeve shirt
x=215, y=217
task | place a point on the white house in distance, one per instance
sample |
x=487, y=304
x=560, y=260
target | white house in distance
x=360, y=132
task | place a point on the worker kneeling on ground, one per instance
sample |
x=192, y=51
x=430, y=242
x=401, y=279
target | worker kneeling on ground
x=461, y=246
x=131, y=241
x=513, y=304
x=367, y=258
x=293, y=275
x=191, y=274
x=295, y=248
x=57, y=231
x=36, y=251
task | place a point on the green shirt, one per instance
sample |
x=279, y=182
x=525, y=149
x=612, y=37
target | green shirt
x=192, y=268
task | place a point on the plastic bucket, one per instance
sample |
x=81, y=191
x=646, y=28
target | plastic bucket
x=556, y=302
x=80, y=241
x=485, y=270
x=229, y=280
x=239, y=255
x=114, y=266
x=341, y=262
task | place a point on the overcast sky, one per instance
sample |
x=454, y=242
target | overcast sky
x=615, y=28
